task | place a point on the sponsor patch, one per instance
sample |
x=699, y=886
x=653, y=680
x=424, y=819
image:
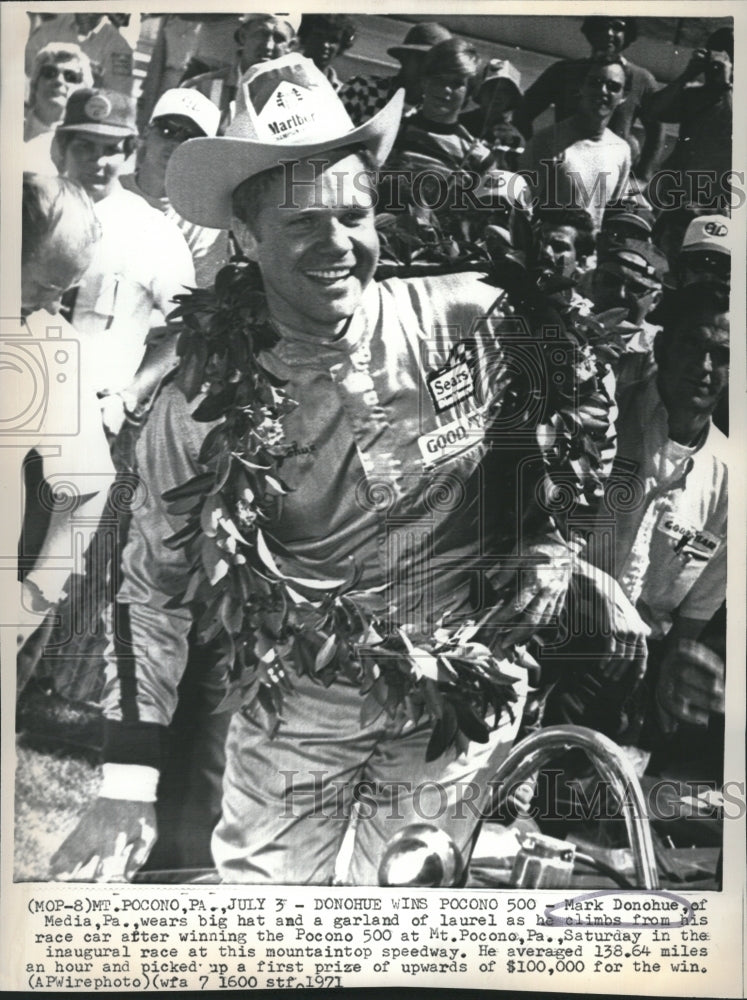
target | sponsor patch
x=452, y=439
x=689, y=543
x=98, y=107
x=450, y=385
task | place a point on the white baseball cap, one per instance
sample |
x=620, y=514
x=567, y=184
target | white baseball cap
x=190, y=104
x=708, y=232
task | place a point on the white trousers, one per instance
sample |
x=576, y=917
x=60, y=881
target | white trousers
x=287, y=800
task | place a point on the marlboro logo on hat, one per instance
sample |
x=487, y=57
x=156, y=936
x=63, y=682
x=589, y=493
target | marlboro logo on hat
x=288, y=104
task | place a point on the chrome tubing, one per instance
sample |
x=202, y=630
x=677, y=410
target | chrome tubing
x=538, y=749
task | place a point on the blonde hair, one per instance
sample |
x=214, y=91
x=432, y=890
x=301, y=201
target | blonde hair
x=53, y=54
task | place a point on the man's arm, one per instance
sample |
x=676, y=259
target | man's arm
x=666, y=105
x=690, y=687
x=653, y=141
x=538, y=97
x=174, y=272
x=145, y=658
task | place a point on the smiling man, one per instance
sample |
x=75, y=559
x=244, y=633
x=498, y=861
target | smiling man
x=377, y=436
x=579, y=162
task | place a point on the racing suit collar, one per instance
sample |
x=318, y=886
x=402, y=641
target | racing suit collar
x=297, y=347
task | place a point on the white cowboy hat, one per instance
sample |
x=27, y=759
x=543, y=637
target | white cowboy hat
x=287, y=110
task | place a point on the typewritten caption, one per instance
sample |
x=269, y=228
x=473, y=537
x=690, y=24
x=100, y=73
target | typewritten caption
x=240, y=940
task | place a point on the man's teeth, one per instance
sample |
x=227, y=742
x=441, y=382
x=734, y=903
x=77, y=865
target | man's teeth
x=336, y=272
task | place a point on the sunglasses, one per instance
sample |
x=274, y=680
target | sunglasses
x=51, y=72
x=179, y=133
x=613, y=86
x=616, y=25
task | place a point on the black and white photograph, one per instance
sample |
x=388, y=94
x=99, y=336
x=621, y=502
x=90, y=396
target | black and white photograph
x=366, y=439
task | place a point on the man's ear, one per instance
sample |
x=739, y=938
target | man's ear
x=245, y=238
x=57, y=155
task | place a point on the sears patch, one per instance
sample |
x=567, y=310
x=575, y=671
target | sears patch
x=454, y=382
x=450, y=385
x=690, y=544
x=452, y=439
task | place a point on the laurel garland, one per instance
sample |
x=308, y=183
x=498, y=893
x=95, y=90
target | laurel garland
x=270, y=626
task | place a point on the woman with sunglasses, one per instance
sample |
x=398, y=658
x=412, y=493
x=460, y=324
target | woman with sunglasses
x=59, y=70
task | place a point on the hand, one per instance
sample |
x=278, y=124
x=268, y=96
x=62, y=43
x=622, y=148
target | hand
x=113, y=414
x=691, y=684
x=532, y=590
x=697, y=64
x=111, y=841
x=600, y=601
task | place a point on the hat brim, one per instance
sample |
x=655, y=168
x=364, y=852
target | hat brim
x=632, y=220
x=620, y=268
x=107, y=131
x=396, y=50
x=710, y=247
x=501, y=79
x=202, y=174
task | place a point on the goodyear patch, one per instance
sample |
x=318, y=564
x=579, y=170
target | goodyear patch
x=452, y=439
x=690, y=543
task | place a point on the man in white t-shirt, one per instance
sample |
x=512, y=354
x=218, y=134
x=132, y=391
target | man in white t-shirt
x=670, y=545
x=579, y=162
x=141, y=263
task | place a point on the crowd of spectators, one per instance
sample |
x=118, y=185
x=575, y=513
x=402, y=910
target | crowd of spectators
x=97, y=144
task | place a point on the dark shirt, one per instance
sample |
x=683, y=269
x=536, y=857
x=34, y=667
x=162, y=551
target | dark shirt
x=703, y=149
x=450, y=144
x=705, y=119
